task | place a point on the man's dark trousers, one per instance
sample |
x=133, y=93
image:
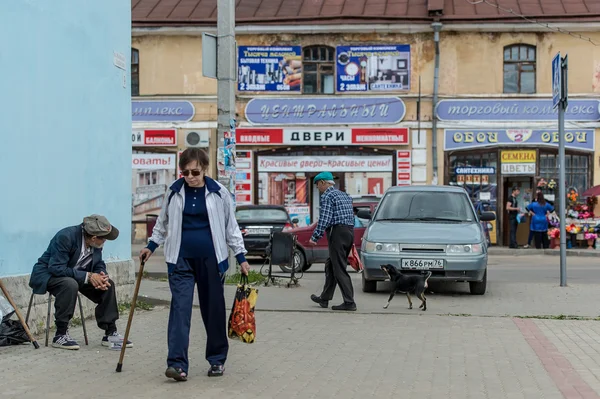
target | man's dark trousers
x=65, y=289
x=514, y=223
x=340, y=239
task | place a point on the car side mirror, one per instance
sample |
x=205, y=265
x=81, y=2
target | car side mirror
x=295, y=220
x=487, y=216
x=364, y=215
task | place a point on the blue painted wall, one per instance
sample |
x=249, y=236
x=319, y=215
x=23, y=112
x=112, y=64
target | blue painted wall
x=65, y=128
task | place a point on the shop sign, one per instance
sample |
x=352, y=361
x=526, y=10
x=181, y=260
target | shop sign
x=458, y=139
x=271, y=69
x=154, y=138
x=403, y=168
x=518, y=168
x=529, y=110
x=380, y=163
x=469, y=170
x=526, y=156
x=373, y=68
x=323, y=136
x=243, y=178
x=325, y=111
x=162, y=111
x=153, y=161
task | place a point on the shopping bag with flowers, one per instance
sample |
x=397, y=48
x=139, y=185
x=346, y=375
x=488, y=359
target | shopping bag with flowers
x=242, y=323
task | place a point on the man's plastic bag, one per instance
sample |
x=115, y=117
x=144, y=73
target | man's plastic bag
x=354, y=259
x=12, y=332
x=242, y=323
x=5, y=307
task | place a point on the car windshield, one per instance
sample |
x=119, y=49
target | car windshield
x=425, y=206
x=262, y=214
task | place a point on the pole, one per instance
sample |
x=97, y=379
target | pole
x=562, y=182
x=226, y=49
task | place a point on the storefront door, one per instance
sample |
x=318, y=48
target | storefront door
x=525, y=197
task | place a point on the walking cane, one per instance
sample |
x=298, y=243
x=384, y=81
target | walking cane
x=12, y=303
x=133, y=303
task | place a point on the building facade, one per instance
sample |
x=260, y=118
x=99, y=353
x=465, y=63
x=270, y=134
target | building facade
x=383, y=97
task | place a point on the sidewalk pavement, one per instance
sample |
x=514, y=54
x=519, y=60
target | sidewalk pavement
x=328, y=355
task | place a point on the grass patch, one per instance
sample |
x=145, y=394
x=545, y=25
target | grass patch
x=558, y=317
x=141, y=305
x=254, y=277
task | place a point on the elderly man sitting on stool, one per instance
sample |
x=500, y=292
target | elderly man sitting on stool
x=73, y=263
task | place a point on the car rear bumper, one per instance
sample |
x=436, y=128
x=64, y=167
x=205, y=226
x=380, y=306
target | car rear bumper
x=256, y=246
x=456, y=268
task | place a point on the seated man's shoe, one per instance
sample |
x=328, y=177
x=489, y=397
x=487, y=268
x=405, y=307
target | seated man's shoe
x=345, y=306
x=321, y=302
x=106, y=342
x=64, y=341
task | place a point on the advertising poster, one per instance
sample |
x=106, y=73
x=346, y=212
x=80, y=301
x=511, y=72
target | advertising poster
x=302, y=213
x=269, y=68
x=373, y=68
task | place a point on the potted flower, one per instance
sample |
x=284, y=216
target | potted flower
x=591, y=238
x=554, y=236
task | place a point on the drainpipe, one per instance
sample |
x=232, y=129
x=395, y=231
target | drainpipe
x=437, y=27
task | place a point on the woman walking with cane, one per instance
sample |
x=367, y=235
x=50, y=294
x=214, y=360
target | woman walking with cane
x=197, y=225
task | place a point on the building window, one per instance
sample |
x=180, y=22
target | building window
x=519, y=69
x=318, y=66
x=135, y=72
x=577, y=170
x=475, y=184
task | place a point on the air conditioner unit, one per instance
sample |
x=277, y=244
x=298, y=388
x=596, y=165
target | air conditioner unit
x=197, y=138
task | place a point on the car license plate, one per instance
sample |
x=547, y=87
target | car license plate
x=259, y=232
x=422, y=264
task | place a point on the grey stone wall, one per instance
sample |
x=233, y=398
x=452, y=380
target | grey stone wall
x=121, y=272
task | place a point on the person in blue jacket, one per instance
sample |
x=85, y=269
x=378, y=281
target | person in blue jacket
x=539, y=211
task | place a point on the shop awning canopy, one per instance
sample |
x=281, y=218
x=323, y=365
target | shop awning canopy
x=592, y=192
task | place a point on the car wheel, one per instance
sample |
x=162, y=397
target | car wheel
x=299, y=262
x=306, y=266
x=478, y=287
x=367, y=285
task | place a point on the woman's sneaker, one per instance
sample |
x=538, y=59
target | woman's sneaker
x=216, y=370
x=64, y=341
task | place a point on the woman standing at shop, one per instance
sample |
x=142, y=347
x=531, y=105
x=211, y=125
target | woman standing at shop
x=197, y=225
x=539, y=221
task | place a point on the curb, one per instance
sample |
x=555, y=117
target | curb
x=586, y=253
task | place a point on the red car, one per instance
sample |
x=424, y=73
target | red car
x=306, y=254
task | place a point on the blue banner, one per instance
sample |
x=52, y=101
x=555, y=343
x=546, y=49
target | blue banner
x=269, y=68
x=373, y=68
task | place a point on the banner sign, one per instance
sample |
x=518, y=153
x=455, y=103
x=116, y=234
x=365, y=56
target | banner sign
x=473, y=170
x=323, y=136
x=162, y=111
x=380, y=163
x=530, y=110
x=244, y=177
x=269, y=68
x=154, y=138
x=153, y=161
x=458, y=139
x=403, y=168
x=325, y=111
x=373, y=68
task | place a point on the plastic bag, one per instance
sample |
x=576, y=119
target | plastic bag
x=5, y=307
x=12, y=332
x=354, y=259
x=242, y=323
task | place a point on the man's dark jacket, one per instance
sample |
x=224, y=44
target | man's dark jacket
x=61, y=257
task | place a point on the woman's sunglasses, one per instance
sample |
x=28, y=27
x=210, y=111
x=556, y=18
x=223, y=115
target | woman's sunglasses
x=194, y=172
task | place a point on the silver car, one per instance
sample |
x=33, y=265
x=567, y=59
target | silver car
x=418, y=228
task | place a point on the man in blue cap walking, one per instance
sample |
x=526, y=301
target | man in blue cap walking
x=336, y=218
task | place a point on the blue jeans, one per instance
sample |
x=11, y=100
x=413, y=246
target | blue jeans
x=183, y=276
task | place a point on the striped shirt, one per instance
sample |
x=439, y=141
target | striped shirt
x=335, y=209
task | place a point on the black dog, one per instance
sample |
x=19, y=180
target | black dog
x=407, y=284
